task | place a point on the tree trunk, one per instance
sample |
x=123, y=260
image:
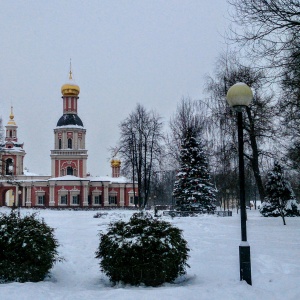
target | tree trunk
x=255, y=155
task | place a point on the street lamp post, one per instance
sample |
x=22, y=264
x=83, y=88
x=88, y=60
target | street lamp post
x=238, y=97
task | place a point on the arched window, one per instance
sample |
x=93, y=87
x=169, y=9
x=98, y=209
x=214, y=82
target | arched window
x=9, y=167
x=59, y=144
x=70, y=143
x=69, y=171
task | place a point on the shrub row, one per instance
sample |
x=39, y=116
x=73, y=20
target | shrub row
x=143, y=250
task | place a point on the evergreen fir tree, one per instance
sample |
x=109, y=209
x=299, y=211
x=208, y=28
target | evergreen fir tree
x=280, y=199
x=193, y=189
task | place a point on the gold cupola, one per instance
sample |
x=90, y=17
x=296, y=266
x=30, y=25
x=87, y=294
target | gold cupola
x=11, y=118
x=70, y=88
x=115, y=163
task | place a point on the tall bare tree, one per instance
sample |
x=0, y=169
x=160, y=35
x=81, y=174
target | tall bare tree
x=258, y=121
x=267, y=30
x=141, y=148
x=189, y=115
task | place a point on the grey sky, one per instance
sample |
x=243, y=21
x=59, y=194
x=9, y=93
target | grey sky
x=123, y=53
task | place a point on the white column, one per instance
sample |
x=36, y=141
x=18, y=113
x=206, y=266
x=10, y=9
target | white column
x=122, y=194
x=28, y=199
x=85, y=193
x=51, y=196
x=106, y=194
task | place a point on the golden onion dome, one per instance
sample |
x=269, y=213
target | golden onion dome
x=115, y=162
x=70, y=88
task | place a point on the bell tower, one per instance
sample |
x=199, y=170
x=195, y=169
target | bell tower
x=12, y=150
x=69, y=156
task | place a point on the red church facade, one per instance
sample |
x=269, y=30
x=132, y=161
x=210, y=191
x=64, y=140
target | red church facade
x=69, y=184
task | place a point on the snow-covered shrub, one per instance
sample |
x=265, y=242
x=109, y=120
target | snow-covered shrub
x=143, y=250
x=292, y=209
x=267, y=210
x=27, y=248
x=280, y=199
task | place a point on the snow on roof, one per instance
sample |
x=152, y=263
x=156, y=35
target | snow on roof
x=26, y=173
x=68, y=177
x=110, y=179
x=69, y=126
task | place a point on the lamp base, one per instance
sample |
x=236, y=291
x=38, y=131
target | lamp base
x=245, y=263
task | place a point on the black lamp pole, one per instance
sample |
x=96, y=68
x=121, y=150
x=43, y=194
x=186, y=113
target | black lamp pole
x=239, y=96
x=244, y=249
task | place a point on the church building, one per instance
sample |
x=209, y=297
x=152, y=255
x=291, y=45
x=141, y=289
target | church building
x=69, y=184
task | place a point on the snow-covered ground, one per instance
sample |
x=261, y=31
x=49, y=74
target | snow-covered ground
x=214, y=273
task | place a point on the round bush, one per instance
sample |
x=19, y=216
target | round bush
x=142, y=250
x=27, y=248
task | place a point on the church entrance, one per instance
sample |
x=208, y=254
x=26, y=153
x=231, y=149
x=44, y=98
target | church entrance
x=7, y=197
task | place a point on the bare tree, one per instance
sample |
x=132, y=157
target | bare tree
x=258, y=121
x=267, y=30
x=190, y=115
x=141, y=148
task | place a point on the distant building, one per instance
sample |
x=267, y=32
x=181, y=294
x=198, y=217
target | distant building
x=69, y=184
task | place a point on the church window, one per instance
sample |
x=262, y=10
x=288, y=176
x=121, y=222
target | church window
x=9, y=167
x=70, y=143
x=131, y=199
x=69, y=171
x=63, y=199
x=69, y=105
x=97, y=199
x=59, y=144
x=75, y=199
x=41, y=200
x=112, y=199
x=10, y=133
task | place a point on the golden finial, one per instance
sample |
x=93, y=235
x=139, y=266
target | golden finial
x=11, y=113
x=70, y=88
x=11, y=117
x=70, y=76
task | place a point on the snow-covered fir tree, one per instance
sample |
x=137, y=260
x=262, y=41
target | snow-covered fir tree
x=193, y=189
x=280, y=198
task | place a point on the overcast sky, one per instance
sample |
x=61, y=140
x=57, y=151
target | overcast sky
x=123, y=53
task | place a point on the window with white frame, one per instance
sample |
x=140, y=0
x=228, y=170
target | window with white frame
x=64, y=199
x=112, y=199
x=75, y=196
x=75, y=199
x=97, y=199
x=41, y=199
x=97, y=196
x=131, y=199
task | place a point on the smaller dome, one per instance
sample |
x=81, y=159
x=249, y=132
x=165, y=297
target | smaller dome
x=70, y=88
x=115, y=162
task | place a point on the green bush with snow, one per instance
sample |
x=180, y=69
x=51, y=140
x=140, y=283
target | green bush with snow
x=27, y=248
x=142, y=251
x=280, y=199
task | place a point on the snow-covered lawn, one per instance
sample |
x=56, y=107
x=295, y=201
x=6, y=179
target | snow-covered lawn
x=214, y=273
